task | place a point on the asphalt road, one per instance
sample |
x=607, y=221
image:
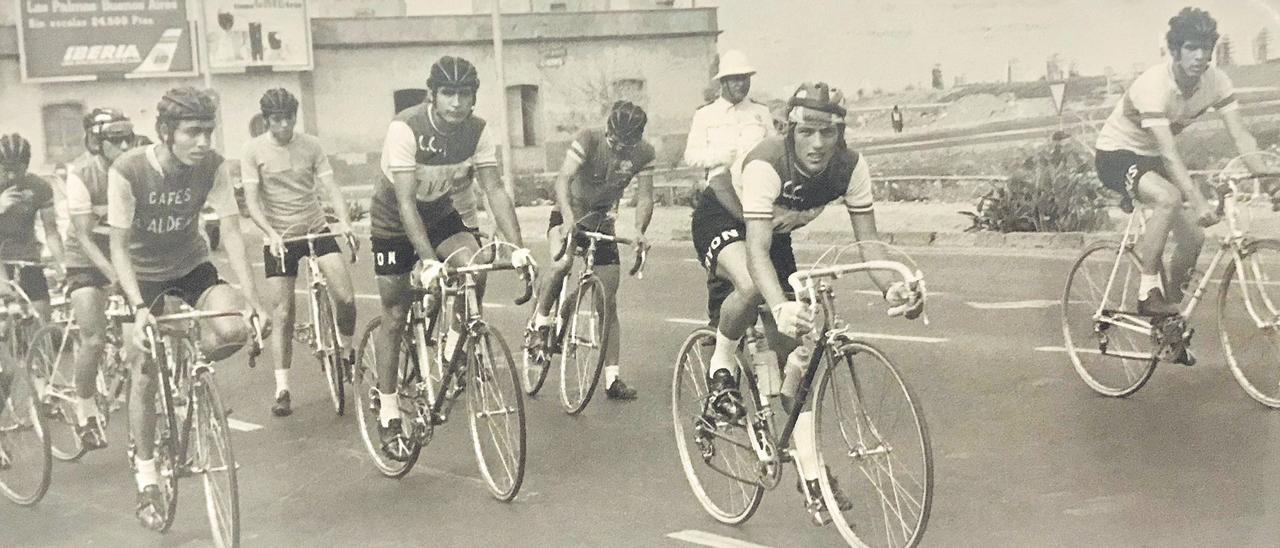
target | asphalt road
x=1025, y=454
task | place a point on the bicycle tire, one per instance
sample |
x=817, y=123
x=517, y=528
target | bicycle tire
x=1252, y=370
x=365, y=398
x=688, y=394
x=585, y=373
x=18, y=398
x=168, y=447
x=873, y=453
x=215, y=458
x=533, y=374
x=485, y=381
x=1083, y=342
x=50, y=354
x=331, y=354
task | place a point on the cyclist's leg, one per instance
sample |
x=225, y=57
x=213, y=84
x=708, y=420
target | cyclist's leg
x=1188, y=239
x=456, y=243
x=202, y=289
x=1165, y=201
x=88, y=304
x=280, y=290
x=555, y=272
x=335, y=271
x=142, y=393
x=393, y=260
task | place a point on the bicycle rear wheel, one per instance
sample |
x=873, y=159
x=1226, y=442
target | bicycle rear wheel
x=583, y=347
x=535, y=363
x=51, y=357
x=365, y=397
x=26, y=459
x=331, y=355
x=1111, y=358
x=717, y=458
x=1249, y=320
x=215, y=461
x=495, y=411
x=872, y=440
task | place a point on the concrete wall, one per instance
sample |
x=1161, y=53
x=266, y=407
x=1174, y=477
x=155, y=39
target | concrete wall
x=356, y=8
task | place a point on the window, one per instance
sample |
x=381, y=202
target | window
x=558, y=6
x=665, y=3
x=405, y=98
x=63, y=132
x=523, y=120
x=630, y=89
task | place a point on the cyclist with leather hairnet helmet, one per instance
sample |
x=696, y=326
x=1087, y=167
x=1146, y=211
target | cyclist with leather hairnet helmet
x=742, y=233
x=26, y=198
x=155, y=194
x=108, y=134
x=1137, y=155
x=424, y=210
x=597, y=168
x=284, y=173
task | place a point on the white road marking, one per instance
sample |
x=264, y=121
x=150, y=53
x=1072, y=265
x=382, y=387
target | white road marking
x=371, y=297
x=1015, y=305
x=703, y=538
x=881, y=336
x=687, y=321
x=242, y=426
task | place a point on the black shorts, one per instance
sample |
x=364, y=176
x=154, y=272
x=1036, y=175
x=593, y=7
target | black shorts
x=714, y=228
x=31, y=280
x=189, y=288
x=80, y=277
x=396, y=256
x=293, y=253
x=1120, y=170
x=606, y=252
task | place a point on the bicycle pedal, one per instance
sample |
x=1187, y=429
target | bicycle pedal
x=818, y=514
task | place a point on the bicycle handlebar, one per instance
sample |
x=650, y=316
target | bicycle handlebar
x=255, y=324
x=637, y=266
x=525, y=273
x=352, y=245
x=800, y=281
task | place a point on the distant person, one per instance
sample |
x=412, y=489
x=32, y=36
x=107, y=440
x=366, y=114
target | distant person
x=895, y=117
x=722, y=132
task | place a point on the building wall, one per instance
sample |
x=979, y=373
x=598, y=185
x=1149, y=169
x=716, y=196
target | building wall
x=356, y=8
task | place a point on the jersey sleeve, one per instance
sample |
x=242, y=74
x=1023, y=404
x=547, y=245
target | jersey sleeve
x=582, y=145
x=120, y=200
x=400, y=148
x=79, y=201
x=221, y=197
x=1149, y=98
x=1225, y=92
x=486, y=154
x=761, y=185
x=42, y=192
x=857, y=198
x=249, y=163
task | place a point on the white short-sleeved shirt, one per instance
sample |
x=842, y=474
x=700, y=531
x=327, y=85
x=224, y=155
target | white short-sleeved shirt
x=769, y=189
x=1154, y=100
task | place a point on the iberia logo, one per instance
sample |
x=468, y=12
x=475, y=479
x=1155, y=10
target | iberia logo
x=101, y=54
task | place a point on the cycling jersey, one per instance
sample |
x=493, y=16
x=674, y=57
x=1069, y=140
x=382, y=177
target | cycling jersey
x=289, y=175
x=86, y=195
x=163, y=209
x=769, y=189
x=603, y=173
x=18, y=223
x=443, y=162
x=1155, y=100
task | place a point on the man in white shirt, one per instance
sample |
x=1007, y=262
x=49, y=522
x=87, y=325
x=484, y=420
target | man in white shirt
x=723, y=131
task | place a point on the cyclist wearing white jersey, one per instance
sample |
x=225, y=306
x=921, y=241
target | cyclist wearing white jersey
x=1138, y=156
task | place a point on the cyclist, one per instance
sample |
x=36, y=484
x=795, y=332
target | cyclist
x=424, y=208
x=283, y=172
x=742, y=233
x=25, y=196
x=600, y=164
x=154, y=197
x=108, y=133
x=1138, y=156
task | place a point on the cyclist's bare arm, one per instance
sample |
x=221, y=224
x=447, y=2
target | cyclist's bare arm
x=123, y=263
x=84, y=224
x=406, y=187
x=644, y=201
x=759, y=264
x=336, y=199
x=1176, y=169
x=252, y=201
x=568, y=170
x=50, y=219
x=1246, y=145
x=500, y=204
x=864, y=230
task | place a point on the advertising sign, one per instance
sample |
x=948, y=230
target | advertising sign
x=75, y=40
x=257, y=33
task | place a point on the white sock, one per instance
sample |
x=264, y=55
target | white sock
x=147, y=473
x=540, y=320
x=1147, y=282
x=85, y=408
x=282, y=380
x=723, y=357
x=806, y=451
x=610, y=375
x=389, y=407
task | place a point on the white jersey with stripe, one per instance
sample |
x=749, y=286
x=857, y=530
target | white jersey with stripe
x=790, y=197
x=1155, y=100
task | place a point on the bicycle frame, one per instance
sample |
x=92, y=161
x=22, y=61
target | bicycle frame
x=588, y=271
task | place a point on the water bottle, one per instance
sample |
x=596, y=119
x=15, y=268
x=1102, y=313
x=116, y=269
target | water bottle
x=765, y=361
x=797, y=362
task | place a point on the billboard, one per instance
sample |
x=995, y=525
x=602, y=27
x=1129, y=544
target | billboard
x=257, y=33
x=76, y=40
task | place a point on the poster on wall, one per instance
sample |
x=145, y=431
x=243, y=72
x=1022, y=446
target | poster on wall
x=258, y=33
x=78, y=40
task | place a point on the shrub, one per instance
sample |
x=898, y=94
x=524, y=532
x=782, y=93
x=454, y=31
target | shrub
x=1045, y=193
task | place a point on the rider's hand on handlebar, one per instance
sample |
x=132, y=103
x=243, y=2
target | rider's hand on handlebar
x=276, y=243
x=642, y=242
x=430, y=272
x=141, y=319
x=521, y=258
x=900, y=294
x=793, y=318
x=1205, y=214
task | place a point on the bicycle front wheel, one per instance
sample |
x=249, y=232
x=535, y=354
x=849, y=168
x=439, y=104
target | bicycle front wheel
x=582, y=356
x=873, y=443
x=364, y=389
x=331, y=354
x=168, y=448
x=26, y=460
x=1249, y=320
x=215, y=461
x=495, y=408
x=717, y=457
x=1109, y=352
x=51, y=357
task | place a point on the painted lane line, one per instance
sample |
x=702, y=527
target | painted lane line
x=242, y=426
x=703, y=538
x=371, y=297
x=687, y=321
x=881, y=336
x=1015, y=305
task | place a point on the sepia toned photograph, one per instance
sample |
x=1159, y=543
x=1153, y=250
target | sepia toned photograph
x=639, y=273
